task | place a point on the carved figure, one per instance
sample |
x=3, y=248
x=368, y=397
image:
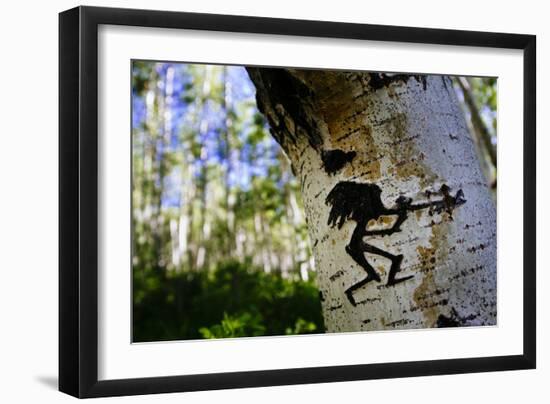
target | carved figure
x=362, y=202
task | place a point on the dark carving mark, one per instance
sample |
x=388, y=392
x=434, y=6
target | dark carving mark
x=421, y=79
x=466, y=272
x=469, y=226
x=476, y=248
x=400, y=322
x=380, y=80
x=446, y=322
x=346, y=135
x=335, y=307
x=454, y=320
x=371, y=300
x=361, y=174
x=448, y=203
x=443, y=79
x=335, y=160
x=425, y=306
x=336, y=275
x=453, y=137
x=362, y=202
x=321, y=297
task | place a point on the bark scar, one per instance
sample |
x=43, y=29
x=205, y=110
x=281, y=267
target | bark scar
x=335, y=160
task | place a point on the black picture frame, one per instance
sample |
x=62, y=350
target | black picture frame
x=78, y=201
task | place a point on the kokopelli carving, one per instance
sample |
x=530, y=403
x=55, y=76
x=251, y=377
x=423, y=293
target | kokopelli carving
x=361, y=202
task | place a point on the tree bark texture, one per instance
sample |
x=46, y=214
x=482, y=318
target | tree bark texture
x=402, y=224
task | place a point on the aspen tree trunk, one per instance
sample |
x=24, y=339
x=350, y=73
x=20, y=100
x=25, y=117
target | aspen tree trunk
x=402, y=224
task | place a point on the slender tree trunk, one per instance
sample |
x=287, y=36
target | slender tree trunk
x=482, y=136
x=156, y=106
x=203, y=188
x=402, y=224
x=227, y=106
x=477, y=121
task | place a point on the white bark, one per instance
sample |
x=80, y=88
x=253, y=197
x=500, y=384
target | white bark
x=407, y=136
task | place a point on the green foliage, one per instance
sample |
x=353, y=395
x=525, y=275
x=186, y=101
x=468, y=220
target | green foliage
x=235, y=300
x=242, y=325
x=302, y=327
